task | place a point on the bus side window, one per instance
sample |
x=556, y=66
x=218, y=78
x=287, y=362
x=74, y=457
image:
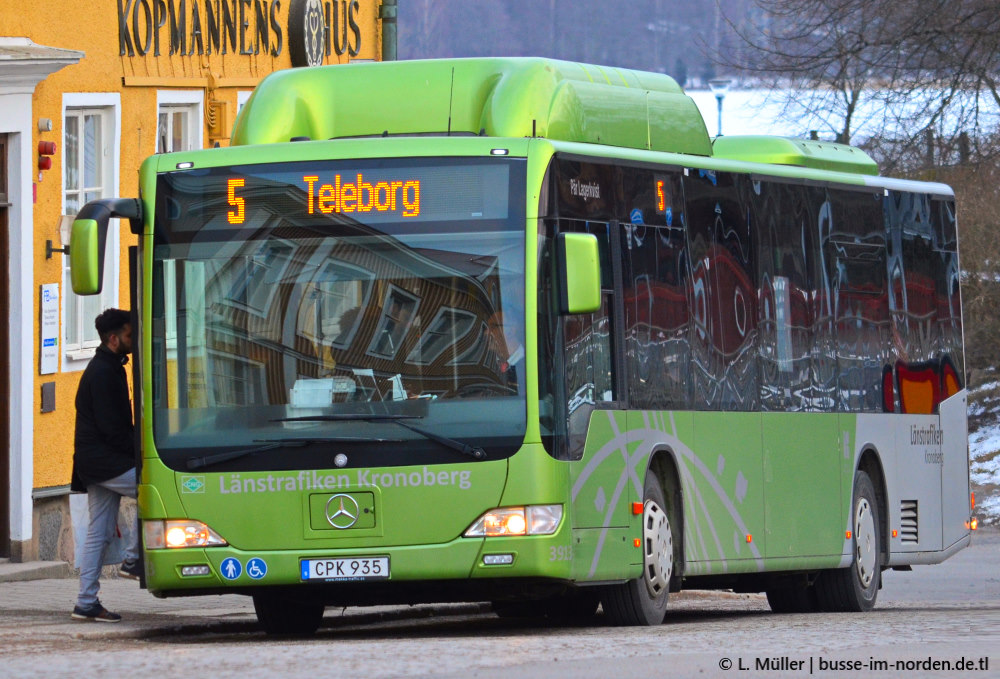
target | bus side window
x=855, y=254
x=723, y=291
x=785, y=214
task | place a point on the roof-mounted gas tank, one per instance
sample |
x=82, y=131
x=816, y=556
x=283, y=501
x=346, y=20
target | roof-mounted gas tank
x=500, y=97
x=819, y=155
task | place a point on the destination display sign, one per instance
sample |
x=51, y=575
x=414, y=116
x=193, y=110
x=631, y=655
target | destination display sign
x=396, y=196
x=366, y=192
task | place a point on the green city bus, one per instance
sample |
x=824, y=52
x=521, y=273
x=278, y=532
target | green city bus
x=519, y=331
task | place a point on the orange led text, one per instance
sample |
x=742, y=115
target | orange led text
x=239, y=214
x=362, y=196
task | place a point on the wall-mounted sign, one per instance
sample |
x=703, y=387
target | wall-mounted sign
x=49, y=360
x=315, y=28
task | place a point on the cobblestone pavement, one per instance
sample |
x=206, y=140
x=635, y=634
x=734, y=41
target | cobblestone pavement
x=945, y=612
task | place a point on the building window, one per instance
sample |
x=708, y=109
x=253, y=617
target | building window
x=333, y=304
x=179, y=121
x=397, y=316
x=90, y=172
x=235, y=380
x=447, y=329
x=242, y=97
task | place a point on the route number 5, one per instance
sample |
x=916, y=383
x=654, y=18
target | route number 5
x=237, y=216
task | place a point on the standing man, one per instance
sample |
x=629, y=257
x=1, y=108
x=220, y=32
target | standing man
x=104, y=457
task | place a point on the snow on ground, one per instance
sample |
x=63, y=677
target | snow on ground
x=984, y=450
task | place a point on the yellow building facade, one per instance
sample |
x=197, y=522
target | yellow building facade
x=87, y=91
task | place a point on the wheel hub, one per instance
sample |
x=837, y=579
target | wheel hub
x=658, y=548
x=865, y=542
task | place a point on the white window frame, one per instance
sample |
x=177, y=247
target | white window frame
x=191, y=101
x=242, y=97
x=436, y=329
x=384, y=329
x=76, y=355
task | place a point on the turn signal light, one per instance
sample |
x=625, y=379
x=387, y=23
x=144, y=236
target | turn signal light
x=179, y=533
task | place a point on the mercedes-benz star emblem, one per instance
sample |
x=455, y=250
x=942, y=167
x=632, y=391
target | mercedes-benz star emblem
x=342, y=511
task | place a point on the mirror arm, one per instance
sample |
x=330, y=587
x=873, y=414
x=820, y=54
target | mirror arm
x=107, y=208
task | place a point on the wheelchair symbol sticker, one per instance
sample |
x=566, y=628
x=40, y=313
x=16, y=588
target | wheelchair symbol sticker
x=231, y=568
x=256, y=568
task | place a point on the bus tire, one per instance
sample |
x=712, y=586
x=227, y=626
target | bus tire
x=280, y=615
x=855, y=588
x=643, y=601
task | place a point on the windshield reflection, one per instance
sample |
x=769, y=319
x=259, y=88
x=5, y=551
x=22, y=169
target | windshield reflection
x=268, y=335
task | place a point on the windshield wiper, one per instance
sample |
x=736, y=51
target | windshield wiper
x=462, y=447
x=472, y=451
x=271, y=444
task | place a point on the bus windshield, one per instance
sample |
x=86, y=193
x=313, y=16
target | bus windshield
x=372, y=308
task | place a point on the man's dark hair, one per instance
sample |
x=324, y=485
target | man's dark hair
x=111, y=321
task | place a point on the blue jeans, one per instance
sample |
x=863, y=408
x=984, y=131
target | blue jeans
x=102, y=501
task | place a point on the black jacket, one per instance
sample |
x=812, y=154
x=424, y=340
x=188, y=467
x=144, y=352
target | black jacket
x=104, y=443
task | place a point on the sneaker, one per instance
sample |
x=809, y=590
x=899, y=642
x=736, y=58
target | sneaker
x=130, y=569
x=96, y=612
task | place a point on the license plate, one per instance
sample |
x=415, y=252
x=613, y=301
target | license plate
x=351, y=568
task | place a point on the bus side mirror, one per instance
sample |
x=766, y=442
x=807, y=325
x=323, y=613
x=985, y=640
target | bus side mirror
x=88, y=238
x=580, y=289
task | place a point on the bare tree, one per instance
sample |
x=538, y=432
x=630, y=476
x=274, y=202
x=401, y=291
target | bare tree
x=977, y=193
x=899, y=71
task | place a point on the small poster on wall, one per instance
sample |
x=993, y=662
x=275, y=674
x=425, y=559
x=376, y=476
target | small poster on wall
x=49, y=362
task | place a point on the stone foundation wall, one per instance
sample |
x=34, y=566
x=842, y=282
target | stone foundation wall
x=59, y=522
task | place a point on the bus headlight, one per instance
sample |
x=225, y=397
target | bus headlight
x=178, y=533
x=509, y=521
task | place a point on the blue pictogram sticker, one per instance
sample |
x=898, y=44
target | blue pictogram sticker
x=231, y=568
x=670, y=217
x=635, y=216
x=256, y=568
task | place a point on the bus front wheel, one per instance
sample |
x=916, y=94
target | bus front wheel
x=855, y=588
x=279, y=614
x=643, y=601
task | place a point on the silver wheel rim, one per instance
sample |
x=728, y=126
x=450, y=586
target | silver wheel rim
x=865, y=542
x=658, y=548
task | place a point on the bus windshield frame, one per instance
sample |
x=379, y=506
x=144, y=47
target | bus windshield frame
x=286, y=336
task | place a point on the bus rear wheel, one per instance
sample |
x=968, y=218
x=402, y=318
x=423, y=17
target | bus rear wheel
x=643, y=601
x=855, y=588
x=279, y=614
